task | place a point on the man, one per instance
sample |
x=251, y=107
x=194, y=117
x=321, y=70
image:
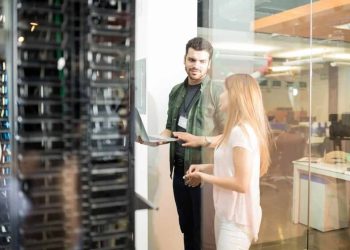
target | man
x=193, y=108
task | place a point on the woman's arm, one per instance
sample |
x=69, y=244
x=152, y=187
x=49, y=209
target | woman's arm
x=205, y=168
x=195, y=180
x=241, y=180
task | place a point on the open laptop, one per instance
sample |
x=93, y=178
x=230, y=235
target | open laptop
x=142, y=133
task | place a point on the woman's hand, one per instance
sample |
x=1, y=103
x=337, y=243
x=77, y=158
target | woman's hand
x=194, y=168
x=193, y=176
x=193, y=179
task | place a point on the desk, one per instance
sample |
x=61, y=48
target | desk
x=316, y=139
x=339, y=171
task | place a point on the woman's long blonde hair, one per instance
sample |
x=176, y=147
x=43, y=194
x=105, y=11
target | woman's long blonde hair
x=245, y=105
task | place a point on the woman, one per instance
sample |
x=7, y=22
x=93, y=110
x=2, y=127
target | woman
x=240, y=158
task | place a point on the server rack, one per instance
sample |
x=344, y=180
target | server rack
x=7, y=222
x=5, y=159
x=109, y=62
x=71, y=122
x=44, y=120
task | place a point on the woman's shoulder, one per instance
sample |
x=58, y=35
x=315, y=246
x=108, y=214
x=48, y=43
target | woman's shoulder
x=243, y=131
x=241, y=128
x=237, y=131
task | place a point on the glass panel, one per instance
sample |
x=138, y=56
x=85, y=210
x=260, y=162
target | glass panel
x=286, y=92
x=270, y=40
x=329, y=185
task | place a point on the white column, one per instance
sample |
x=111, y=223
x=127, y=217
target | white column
x=163, y=28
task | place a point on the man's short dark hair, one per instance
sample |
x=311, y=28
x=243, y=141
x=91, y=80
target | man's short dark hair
x=199, y=43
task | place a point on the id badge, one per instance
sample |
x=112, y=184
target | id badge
x=182, y=122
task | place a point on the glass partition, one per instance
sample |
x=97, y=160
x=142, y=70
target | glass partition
x=330, y=127
x=302, y=65
x=257, y=37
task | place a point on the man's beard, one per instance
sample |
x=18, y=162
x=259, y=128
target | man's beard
x=194, y=75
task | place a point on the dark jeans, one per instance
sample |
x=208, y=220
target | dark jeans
x=188, y=204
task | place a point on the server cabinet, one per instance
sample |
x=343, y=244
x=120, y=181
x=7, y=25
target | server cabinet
x=66, y=126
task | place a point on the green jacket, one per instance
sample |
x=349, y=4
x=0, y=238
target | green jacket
x=204, y=118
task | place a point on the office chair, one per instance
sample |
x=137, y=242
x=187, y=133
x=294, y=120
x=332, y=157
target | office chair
x=267, y=180
x=290, y=146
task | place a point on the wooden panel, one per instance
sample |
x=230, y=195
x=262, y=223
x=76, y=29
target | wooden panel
x=296, y=22
x=333, y=90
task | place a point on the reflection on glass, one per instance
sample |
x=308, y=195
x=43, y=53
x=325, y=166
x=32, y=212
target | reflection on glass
x=330, y=189
x=257, y=37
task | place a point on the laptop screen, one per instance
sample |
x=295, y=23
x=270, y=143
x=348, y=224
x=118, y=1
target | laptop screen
x=139, y=127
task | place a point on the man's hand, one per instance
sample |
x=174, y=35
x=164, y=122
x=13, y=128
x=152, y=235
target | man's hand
x=189, y=139
x=152, y=144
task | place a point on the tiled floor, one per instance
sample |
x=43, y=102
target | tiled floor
x=278, y=232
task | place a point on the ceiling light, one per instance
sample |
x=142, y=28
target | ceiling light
x=241, y=57
x=339, y=56
x=334, y=64
x=243, y=47
x=277, y=34
x=304, y=61
x=284, y=68
x=345, y=26
x=286, y=73
x=302, y=53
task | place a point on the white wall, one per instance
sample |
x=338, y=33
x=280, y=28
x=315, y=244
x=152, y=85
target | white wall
x=141, y=183
x=163, y=29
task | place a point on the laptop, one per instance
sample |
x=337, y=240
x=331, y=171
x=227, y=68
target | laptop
x=142, y=133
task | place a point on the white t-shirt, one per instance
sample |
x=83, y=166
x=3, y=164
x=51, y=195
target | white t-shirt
x=241, y=208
